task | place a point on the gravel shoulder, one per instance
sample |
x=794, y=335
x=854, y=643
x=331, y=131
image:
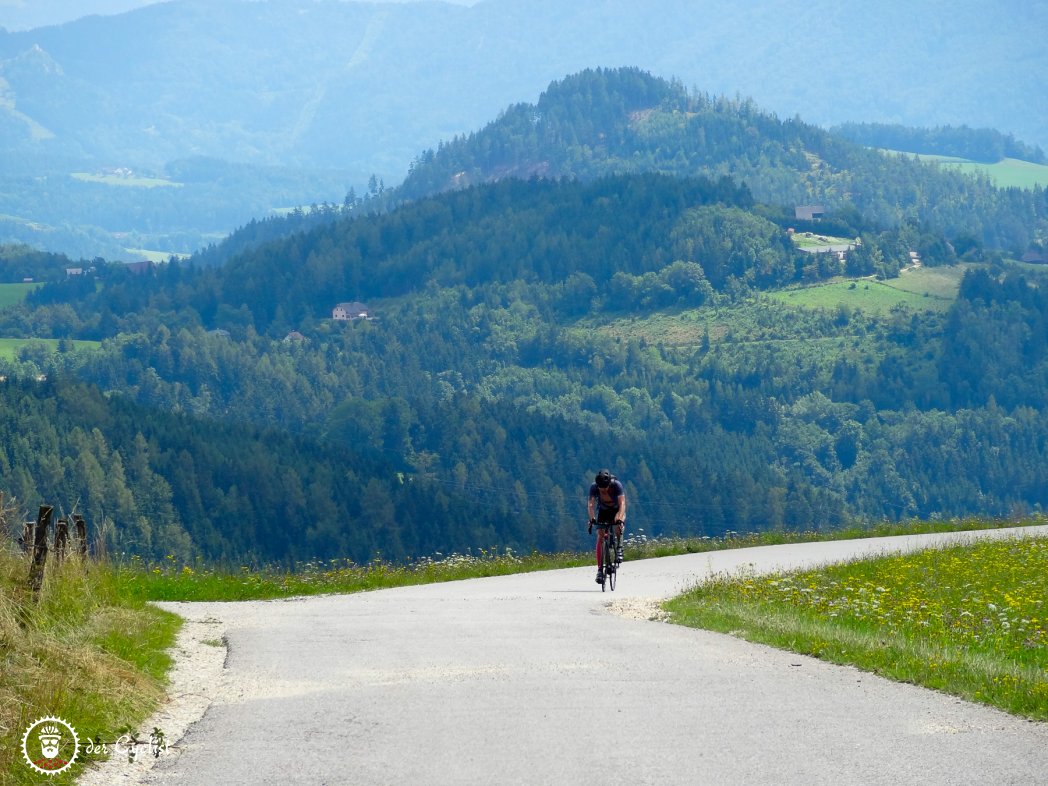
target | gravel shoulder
x=195, y=681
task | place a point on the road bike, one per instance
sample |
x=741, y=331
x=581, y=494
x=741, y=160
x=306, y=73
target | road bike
x=609, y=566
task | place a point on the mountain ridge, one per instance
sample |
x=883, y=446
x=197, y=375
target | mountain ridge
x=348, y=90
x=727, y=51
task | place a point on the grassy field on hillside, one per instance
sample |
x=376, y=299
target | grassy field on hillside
x=10, y=347
x=11, y=294
x=157, y=257
x=871, y=297
x=1006, y=173
x=762, y=319
x=811, y=240
x=936, y=282
x=918, y=289
x=758, y=319
x=969, y=620
x=131, y=181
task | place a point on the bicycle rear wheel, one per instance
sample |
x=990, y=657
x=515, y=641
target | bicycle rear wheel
x=604, y=565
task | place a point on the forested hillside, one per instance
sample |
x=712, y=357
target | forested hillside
x=520, y=344
x=624, y=120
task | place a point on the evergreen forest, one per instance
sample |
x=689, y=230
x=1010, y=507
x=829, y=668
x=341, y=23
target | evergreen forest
x=615, y=277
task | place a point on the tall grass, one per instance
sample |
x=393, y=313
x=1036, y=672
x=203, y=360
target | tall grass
x=971, y=620
x=82, y=652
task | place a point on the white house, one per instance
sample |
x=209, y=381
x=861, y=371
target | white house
x=349, y=311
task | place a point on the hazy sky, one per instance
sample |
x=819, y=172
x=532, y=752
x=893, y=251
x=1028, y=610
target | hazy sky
x=27, y=14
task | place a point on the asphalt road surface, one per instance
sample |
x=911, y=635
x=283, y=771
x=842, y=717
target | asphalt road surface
x=532, y=679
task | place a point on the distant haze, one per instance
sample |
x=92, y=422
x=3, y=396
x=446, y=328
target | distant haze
x=267, y=97
x=29, y=14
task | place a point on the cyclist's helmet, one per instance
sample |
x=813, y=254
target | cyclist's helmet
x=603, y=479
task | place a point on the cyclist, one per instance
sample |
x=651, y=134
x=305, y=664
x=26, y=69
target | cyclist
x=607, y=507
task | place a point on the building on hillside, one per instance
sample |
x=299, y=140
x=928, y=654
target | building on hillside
x=808, y=212
x=294, y=337
x=344, y=312
x=141, y=268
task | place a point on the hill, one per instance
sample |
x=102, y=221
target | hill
x=515, y=351
x=43, y=13
x=605, y=121
x=332, y=92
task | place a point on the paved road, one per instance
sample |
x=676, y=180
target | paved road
x=531, y=679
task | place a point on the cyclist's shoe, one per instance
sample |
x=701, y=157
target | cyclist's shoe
x=618, y=555
x=600, y=577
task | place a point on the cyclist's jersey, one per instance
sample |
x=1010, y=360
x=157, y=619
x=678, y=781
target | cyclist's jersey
x=607, y=498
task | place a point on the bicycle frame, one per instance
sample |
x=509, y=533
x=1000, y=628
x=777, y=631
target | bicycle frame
x=606, y=545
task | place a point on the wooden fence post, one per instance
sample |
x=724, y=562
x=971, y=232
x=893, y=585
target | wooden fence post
x=81, y=534
x=36, y=570
x=61, y=539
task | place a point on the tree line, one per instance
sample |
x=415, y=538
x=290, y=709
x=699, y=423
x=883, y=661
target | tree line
x=978, y=144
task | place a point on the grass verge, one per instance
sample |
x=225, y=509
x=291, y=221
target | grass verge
x=83, y=652
x=968, y=620
x=174, y=581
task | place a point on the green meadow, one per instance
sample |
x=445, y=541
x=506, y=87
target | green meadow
x=157, y=257
x=10, y=347
x=918, y=289
x=132, y=181
x=970, y=620
x=773, y=316
x=11, y=294
x=812, y=240
x=1006, y=173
